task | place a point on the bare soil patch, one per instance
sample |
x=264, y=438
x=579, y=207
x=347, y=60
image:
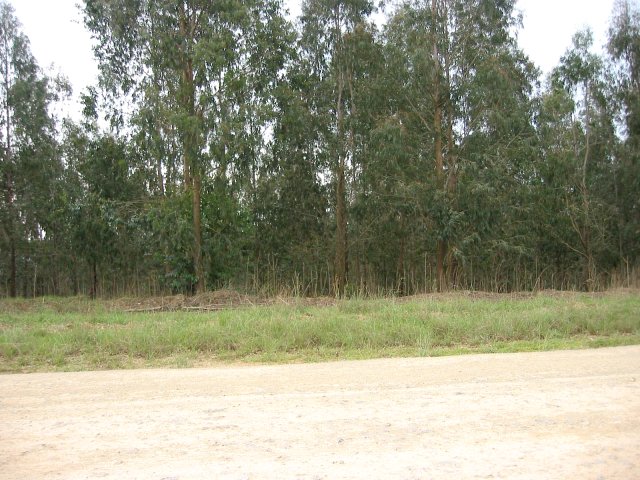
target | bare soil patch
x=564, y=414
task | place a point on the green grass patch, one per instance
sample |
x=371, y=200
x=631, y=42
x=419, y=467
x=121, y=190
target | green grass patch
x=72, y=334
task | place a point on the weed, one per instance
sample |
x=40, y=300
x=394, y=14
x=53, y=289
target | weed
x=57, y=334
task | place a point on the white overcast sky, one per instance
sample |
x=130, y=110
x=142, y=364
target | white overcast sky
x=58, y=37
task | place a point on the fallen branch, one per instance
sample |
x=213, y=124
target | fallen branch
x=143, y=310
x=209, y=308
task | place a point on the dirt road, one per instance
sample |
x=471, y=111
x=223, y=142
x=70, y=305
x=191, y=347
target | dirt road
x=519, y=416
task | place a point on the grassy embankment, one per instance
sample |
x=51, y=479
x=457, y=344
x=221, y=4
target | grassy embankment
x=76, y=334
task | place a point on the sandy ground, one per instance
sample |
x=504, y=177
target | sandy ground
x=522, y=416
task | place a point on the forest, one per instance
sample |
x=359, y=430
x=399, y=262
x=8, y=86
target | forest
x=227, y=146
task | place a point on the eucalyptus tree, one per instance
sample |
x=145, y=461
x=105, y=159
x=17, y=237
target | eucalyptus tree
x=624, y=48
x=30, y=164
x=624, y=51
x=103, y=186
x=199, y=59
x=466, y=89
x=326, y=26
x=291, y=200
x=493, y=84
x=583, y=150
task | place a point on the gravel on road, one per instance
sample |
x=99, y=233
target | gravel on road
x=555, y=415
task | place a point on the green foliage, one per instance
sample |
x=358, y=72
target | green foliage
x=624, y=48
x=169, y=222
x=29, y=167
x=229, y=231
x=226, y=147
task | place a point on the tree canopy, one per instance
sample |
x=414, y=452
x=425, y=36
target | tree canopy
x=227, y=146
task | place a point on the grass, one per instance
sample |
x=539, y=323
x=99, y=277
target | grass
x=75, y=334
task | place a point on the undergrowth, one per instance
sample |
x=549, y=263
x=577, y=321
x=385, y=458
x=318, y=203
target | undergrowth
x=55, y=334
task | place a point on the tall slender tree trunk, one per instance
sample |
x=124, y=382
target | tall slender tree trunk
x=13, y=269
x=341, y=234
x=586, y=234
x=192, y=168
x=352, y=133
x=441, y=247
x=340, y=261
x=93, y=292
x=11, y=234
x=401, y=281
x=341, y=208
x=197, y=232
x=13, y=274
x=160, y=176
x=452, y=168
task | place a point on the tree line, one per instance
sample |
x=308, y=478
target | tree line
x=227, y=146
